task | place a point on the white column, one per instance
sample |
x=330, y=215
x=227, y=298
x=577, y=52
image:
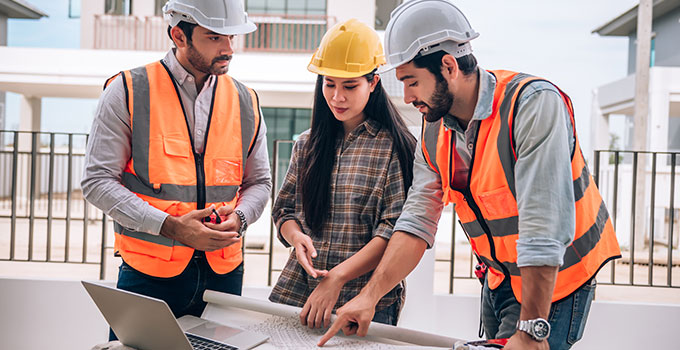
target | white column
x=599, y=126
x=3, y=108
x=659, y=110
x=30, y=111
x=343, y=10
x=88, y=9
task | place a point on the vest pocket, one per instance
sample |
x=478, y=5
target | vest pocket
x=227, y=171
x=141, y=247
x=176, y=147
x=498, y=203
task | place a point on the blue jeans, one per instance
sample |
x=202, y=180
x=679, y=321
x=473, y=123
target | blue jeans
x=388, y=315
x=182, y=293
x=500, y=312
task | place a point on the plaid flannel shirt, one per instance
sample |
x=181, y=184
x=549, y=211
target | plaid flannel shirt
x=367, y=194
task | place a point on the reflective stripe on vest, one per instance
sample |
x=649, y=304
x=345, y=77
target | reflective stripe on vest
x=491, y=194
x=165, y=171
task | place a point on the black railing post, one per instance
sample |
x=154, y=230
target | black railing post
x=15, y=175
x=69, y=189
x=86, y=218
x=50, y=198
x=275, y=174
x=669, y=277
x=632, y=219
x=651, y=222
x=102, y=252
x=453, y=248
x=32, y=193
x=615, y=208
x=596, y=172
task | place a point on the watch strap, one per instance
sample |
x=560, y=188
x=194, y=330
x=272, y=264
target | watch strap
x=244, y=223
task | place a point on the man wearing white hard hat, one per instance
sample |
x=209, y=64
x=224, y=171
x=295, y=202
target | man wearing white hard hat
x=177, y=157
x=502, y=147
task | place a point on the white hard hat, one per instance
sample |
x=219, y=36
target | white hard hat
x=225, y=17
x=424, y=27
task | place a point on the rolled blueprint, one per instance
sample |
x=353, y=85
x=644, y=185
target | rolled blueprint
x=375, y=330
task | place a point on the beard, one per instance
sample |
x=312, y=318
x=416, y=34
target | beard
x=440, y=101
x=203, y=65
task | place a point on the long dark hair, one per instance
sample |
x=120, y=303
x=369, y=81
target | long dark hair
x=320, y=148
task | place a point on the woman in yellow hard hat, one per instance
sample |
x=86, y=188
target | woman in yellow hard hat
x=346, y=184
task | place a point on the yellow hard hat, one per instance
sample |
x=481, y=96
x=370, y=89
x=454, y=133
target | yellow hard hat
x=348, y=50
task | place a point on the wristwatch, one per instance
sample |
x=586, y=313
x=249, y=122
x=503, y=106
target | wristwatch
x=244, y=223
x=538, y=329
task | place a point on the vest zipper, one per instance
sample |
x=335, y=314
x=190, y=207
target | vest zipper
x=200, y=181
x=467, y=196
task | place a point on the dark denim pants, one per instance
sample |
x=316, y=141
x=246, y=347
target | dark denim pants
x=183, y=293
x=388, y=315
x=500, y=312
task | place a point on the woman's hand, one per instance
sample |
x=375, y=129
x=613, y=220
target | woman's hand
x=316, y=312
x=305, y=252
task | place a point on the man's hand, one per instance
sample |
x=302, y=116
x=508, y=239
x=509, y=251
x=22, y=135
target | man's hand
x=317, y=310
x=190, y=230
x=230, y=220
x=522, y=341
x=305, y=252
x=353, y=318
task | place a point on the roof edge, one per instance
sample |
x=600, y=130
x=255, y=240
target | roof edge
x=21, y=9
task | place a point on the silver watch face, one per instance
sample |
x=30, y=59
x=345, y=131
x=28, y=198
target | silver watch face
x=540, y=329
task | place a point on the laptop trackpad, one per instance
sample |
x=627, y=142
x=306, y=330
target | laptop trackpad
x=214, y=331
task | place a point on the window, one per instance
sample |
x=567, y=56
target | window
x=286, y=7
x=73, y=8
x=674, y=134
x=118, y=7
x=652, y=52
x=284, y=124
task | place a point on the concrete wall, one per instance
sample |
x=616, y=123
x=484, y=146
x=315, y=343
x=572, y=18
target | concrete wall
x=667, y=50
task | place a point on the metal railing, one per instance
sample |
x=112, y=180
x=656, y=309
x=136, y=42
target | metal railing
x=40, y=185
x=649, y=248
x=284, y=33
x=44, y=217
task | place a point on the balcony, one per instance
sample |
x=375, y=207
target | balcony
x=286, y=33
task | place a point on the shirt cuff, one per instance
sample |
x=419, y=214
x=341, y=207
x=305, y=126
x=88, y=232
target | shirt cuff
x=540, y=252
x=153, y=221
x=411, y=227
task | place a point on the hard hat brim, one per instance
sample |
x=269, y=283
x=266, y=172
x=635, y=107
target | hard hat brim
x=244, y=28
x=336, y=73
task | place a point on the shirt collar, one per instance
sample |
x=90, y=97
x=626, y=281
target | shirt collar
x=178, y=71
x=372, y=126
x=484, y=107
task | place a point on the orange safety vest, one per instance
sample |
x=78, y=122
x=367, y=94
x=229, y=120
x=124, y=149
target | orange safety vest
x=487, y=207
x=166, y=172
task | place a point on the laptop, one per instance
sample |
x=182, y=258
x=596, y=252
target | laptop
x=146, y=323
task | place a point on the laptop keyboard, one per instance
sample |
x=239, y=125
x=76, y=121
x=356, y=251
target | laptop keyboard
x=200, y=343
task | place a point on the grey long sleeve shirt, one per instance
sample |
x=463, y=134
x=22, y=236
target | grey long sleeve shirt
x=109, y=150
x=545, y=193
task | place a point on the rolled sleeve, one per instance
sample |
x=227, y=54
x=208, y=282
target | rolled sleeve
x=545, y=192
x=424, y=205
